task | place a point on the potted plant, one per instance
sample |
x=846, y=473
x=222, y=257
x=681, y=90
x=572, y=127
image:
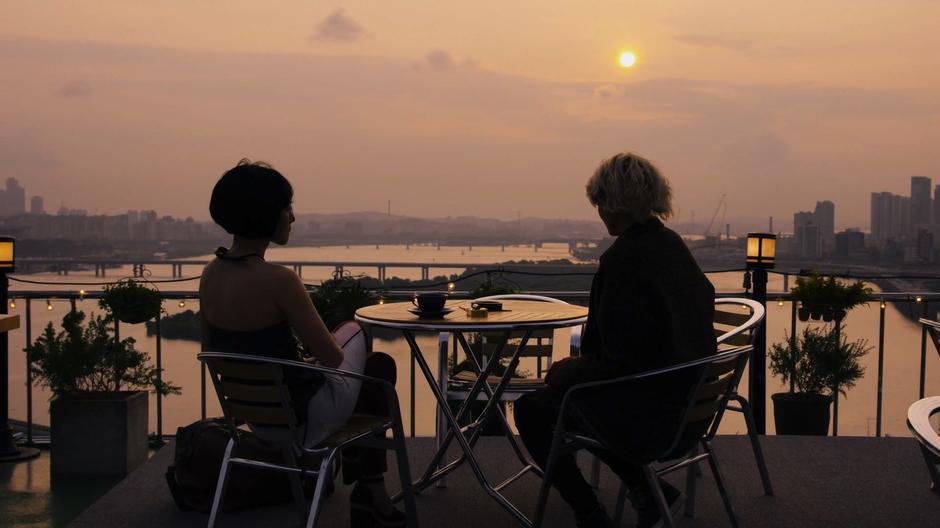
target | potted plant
x=131, y=301
x=98, y=411
x=826, y=298
x=337, y=299
x=819, y=364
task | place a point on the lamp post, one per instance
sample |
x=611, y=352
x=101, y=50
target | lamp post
x=9, y=452
x=761, y=253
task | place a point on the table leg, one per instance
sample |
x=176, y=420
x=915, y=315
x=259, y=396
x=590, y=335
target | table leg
x=454, y=424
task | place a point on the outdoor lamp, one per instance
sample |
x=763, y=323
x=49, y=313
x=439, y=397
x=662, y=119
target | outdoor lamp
x=761, y=250
x=7, y=253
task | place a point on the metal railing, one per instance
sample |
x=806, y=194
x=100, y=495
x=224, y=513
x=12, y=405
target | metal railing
x=923, y=299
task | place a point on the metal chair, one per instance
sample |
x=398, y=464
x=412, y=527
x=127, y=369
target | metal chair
x=918, y=421
x=933, y=329
x=251, y=389
x=540, y=345
x=717, y=376
x=735, y=322
x=737, y=327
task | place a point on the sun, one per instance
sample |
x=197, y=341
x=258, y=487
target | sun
x=627, y=59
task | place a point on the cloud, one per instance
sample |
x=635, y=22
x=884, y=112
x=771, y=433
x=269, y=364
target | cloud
x=338, y=27
x=74, y=89
x=715, y=41
x=439, y=60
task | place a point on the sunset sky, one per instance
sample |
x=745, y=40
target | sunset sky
x=486, y=108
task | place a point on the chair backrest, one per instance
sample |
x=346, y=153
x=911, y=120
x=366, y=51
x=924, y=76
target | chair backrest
x=918, y=421
x=933, y=329
x=250, y=389
x=716, y=382
x=540, y=342
x=736, y=320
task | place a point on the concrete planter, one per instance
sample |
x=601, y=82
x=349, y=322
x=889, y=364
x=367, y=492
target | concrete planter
x=98, y=434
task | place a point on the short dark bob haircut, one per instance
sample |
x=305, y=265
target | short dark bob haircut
x=248, y=199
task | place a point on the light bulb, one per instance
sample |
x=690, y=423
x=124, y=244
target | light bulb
x=12, y=304
x=779, y=302
x=919, y=299
x=48, y=305
x=451, y=286
x=182, y=304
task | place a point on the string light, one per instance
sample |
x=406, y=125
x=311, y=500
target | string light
x=182, y=304
x=48, y=305
x=13, y=304
x=919, y=299
x=81, y=294
x=779, y=302
x=451, y=286
x=381, y=300
x=883, y=305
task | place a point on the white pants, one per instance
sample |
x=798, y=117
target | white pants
x=332, y=405
x=330, y=408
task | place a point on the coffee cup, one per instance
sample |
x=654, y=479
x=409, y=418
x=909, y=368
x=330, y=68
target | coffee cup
x=430, y=301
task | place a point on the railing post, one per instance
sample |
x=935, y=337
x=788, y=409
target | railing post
x=757, y=375
x=159, y=377
x=881, y=366
x=29, y=374
x=837, y=330
x=923, y=353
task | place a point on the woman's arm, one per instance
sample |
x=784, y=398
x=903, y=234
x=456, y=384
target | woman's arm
x=294, y=301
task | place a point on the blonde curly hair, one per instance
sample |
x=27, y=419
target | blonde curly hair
x=630, y=184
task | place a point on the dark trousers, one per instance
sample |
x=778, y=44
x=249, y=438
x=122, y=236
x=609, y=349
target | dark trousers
x=536, y=415
x=362, y=463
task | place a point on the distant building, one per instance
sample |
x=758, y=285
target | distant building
x=890, y=217
x=806, y=239
x=850, y=244
x=36, y=205
x=921, y=204
x=12, y=199
x=925, y=250
x=936, y=204
x=825, y=214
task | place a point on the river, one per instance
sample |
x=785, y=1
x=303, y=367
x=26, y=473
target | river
x=857, y=411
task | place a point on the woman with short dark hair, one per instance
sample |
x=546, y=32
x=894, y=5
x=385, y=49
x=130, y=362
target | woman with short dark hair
x=249, y=306
x=650, y=307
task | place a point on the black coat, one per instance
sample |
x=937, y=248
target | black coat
x=651, y=307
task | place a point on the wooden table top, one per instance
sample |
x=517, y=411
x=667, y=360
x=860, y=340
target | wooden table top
x=9, y=322
x=515, y=313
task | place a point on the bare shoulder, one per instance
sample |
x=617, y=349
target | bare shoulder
x=282, y=277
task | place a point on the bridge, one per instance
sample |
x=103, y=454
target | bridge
x=138, y=266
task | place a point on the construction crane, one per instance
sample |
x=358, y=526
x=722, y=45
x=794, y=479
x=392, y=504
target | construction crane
x=722, y=208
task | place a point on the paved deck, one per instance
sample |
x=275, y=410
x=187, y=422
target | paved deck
x=830, y=482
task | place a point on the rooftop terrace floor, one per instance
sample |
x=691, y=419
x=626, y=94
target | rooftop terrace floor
x=829, y=482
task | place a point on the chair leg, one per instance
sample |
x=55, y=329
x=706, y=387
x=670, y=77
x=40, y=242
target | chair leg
x=404, y=475
x=296, y=488
x=221, y=483
x=755, y=444
x=545, y=489
x=658, y=496
x=692, y=475
x=621, y=503
x=932, y=462
x=716, y=472
x=322, y=478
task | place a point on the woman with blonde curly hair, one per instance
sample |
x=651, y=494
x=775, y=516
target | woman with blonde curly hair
x=650, y=307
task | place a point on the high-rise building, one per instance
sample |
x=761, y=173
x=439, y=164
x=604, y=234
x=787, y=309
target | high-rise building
x=825, y=214
x=13, y=199
x=936, y=204
x=36, y=205
x=921, y=206
x=850, y=243
x=801, y=221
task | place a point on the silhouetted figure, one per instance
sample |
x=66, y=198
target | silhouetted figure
x=650, y=307
x=251, y=307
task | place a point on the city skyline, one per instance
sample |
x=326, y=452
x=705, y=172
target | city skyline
x=143, y=106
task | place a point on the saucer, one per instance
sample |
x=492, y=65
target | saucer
x=431, y=315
